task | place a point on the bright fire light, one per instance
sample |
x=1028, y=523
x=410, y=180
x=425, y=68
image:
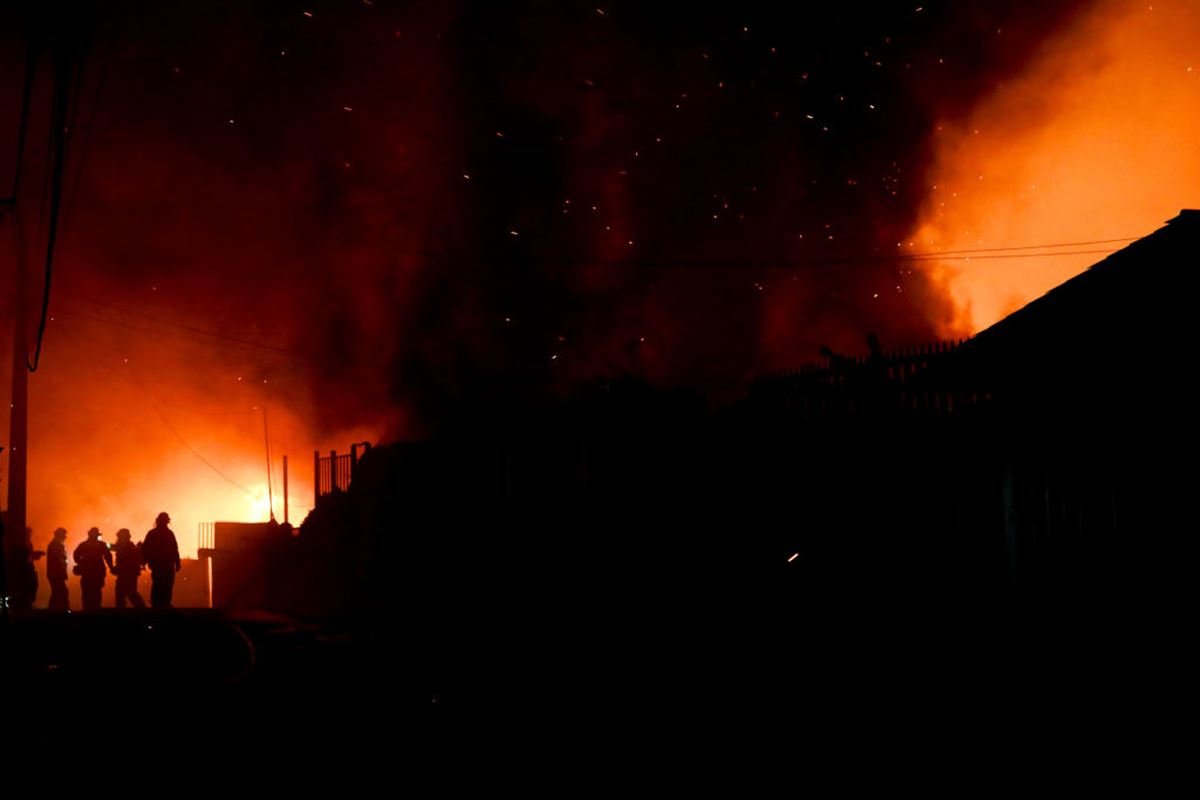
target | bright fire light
x=1096, y=140
x=258, y=505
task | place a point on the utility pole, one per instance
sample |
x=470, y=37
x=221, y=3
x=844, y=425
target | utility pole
x=14, y=531
x=18, y=423
x=66, y=42
x=18, y=426
x=270, y=488
x=285, y=491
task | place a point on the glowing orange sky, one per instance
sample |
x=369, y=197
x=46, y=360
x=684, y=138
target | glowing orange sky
x=124, y=424
x=1096, y=140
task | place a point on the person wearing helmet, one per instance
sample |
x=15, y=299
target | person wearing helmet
x=161, y=553
x=22, y=574
x=129, y=567
x=56, y=571
x=92, y=562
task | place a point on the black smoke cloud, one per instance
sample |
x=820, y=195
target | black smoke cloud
x=396, y=199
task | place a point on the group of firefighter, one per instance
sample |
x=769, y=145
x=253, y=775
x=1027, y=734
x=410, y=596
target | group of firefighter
x=95, y=559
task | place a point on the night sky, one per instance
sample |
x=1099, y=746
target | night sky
x=624, y=185
x=370, y=216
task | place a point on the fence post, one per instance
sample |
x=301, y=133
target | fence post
x=316, y=477
x=285, y=491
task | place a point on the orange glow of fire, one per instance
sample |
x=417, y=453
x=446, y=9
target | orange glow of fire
x=1097, y=140
x=124, y=426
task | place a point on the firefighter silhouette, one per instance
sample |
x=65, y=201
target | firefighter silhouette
x=161, y=553
x=92, y=563
x=56, y=571
x=127, y=570
x=22, y=575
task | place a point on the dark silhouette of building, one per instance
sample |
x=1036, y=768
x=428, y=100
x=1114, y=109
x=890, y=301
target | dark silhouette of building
x=192, y=584
x=1091, y=386
x=241, y=555
x=1025, y=462
x=845, y=531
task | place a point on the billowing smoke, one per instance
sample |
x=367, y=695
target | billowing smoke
x=248, y=198
x=369, y=218
x=1091, y=144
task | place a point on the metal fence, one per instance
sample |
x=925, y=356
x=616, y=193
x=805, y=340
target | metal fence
x=206, y=540
x=334, y=472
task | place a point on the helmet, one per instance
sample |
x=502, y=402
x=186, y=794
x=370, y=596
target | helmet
x=163, y=517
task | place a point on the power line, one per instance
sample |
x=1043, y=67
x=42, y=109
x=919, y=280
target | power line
x=97, y=360
x=23, y=125
x=994, y=253
x=182, y=440
x=189, y=331
x=89, y=127
x=183, y=329
x=1011, y=255
x=130, y=377
x=224, y=337
x=65, y=75
x=1026, y=247
x=810, y=261
x=194, y=452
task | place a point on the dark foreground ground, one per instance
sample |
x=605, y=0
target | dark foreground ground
x=673, y=695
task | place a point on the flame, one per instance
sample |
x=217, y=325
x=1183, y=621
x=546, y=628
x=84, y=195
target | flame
x=1095, y=141
x=258, y=504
